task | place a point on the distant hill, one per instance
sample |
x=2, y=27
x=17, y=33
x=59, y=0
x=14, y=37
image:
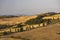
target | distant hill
x=14, y=19
x=51, y=31
x=43, y=18
x=21, y=19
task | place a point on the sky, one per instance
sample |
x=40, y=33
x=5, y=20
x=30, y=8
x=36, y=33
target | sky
x=28, y=7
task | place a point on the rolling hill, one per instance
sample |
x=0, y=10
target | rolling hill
x=10, y=20
x=15, y=20
x=51, y=32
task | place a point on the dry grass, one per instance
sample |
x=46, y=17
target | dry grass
x=53, y=16
x=16, y=20
x=51, y=32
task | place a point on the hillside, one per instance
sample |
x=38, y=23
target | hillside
x=51, y=32
x=10, y=20
x=53, y=16
x=15, y=20
x=38, y=27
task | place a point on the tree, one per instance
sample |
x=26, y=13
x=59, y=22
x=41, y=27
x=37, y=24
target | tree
x=20, y=26
x=37, y=20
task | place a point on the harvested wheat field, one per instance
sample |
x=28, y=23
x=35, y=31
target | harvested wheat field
x=51, y=32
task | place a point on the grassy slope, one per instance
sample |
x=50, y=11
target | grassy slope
x=46, y=33
x=53, y=16
x=15, y=20
x=51, y=32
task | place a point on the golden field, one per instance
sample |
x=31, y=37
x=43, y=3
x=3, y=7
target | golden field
x=16, y=20
x=48, y=32
x=51, y=32
x=53, y=16
x=22, y=19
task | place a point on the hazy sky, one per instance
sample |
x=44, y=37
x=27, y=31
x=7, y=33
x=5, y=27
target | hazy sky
x=28, y=7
